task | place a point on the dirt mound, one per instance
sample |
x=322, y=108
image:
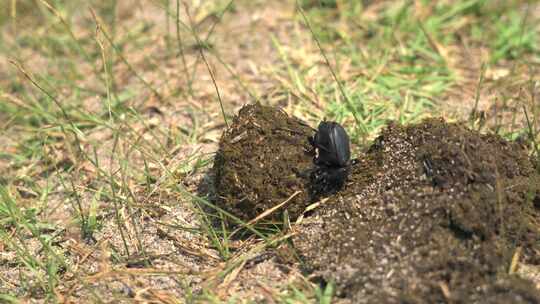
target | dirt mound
x=430, y=213
x=433, y=213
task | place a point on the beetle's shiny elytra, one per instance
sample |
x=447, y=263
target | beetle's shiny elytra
x=332, y=143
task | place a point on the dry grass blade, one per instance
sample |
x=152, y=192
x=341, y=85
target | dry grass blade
x=224, y=286
x=73, y=128
x=310, y=208
x=212, y=76
x=114, y=273
x=265, y=213
x=514, y=265
x=334, y=75
x=66, y=26
x=122, y=57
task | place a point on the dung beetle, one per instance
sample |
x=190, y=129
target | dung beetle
x=332, y=144
x=332, y=158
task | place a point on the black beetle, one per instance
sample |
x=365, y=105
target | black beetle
x=332, y=158
x=332, y=144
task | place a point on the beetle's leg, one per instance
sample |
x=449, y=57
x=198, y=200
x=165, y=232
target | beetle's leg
x=335, y=177
x=327, y=180
x=428, y=166
x=313, y=150
x=303, y=174
x=311, y=140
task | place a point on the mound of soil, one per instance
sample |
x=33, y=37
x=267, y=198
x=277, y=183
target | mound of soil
x=259, y=163
x=431, y=213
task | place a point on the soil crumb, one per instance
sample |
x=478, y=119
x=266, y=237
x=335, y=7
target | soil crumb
x=433, y=213
x=260, y=162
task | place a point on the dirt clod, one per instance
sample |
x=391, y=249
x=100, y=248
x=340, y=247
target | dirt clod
x=260, y=162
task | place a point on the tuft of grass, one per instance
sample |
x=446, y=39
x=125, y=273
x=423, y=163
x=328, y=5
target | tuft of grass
x=45, y=271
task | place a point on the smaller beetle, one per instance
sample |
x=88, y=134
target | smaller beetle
x=332, y=144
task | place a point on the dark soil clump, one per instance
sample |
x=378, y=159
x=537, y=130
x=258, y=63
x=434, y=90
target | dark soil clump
x=260, y=163
x=433, y=213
